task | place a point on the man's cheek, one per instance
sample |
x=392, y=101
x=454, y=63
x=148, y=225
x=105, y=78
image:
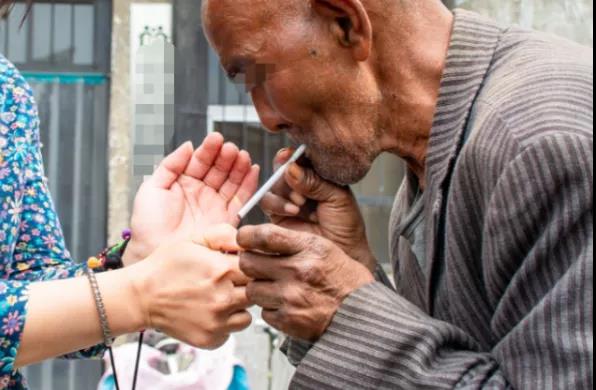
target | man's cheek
x=294, y=99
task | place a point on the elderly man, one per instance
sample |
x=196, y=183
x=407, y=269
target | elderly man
x=492, y=231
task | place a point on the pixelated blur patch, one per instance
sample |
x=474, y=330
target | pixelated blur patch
x=154, y=107
x=251, y=75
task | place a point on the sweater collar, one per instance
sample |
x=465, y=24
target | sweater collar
x=473, y=43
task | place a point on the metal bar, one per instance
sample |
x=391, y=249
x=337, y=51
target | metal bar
x=6, y=34
x=66, y=78
x=94, y=34
x=99, y=168
x=46, y=376
x=52, y=32
x=78, y=157
x=72, y=385
x=72, y=32
x=30, y=22
x=192, y=63
x=54, y=153
x=103, y=33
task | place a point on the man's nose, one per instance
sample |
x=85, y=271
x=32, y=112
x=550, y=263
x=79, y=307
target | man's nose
x=269, y=117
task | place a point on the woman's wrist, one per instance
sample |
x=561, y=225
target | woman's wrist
x=133, y=254
x=123, y=300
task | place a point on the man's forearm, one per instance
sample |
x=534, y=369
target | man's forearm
x=378, y=340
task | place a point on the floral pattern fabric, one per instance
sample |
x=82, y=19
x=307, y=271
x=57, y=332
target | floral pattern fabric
x=32, y=246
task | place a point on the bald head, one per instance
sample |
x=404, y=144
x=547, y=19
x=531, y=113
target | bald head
x=319, y=69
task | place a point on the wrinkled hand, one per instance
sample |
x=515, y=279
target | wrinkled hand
x=189, y=193
x=192, y=293
x=306, y=202
x=300, y=279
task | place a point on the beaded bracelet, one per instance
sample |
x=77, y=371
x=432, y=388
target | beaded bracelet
x=101, y=310
x=110, y=258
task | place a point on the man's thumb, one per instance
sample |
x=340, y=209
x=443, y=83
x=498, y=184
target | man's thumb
x=307, y=183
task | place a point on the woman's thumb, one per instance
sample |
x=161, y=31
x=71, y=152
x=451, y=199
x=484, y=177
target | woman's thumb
x=220, y=238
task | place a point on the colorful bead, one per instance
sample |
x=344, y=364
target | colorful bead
x=126, y=234
x=94, y=263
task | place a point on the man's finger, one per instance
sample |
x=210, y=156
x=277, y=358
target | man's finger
x=172, y=166
x=265, y=294
x=204, y=157
x=281, y=188
x=273, y=318
x=274, y=205
x=307, y=183
x=259, y=267
x=272, y=239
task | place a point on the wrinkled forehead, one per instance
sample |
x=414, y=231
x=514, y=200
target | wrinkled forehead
x=237, y=27
x=243, y=28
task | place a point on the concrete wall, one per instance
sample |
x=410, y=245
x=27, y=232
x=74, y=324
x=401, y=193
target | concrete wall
x=572, y=19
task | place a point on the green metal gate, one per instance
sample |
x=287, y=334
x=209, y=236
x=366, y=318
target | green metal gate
x=63, y=50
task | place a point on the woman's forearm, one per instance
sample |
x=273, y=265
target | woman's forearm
x=62, y=315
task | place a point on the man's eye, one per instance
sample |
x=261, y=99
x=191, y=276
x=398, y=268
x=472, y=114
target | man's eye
x=232, y=74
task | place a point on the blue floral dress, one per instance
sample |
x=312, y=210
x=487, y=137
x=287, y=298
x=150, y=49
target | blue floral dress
x=32, y=246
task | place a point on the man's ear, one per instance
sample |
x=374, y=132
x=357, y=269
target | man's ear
x=350, y=24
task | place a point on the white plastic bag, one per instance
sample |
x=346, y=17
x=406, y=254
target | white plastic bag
x=209, y=370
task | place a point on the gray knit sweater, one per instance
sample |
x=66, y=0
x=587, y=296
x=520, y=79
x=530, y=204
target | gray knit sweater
x=506, y=299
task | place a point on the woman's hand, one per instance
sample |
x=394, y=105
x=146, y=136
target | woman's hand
x=190, y=192
x=192, y=293
x=184, y=289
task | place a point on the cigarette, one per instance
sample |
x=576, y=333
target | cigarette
x=256, y=199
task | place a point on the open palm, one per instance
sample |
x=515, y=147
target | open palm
x=190, y=192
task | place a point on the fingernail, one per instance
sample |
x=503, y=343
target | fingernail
x=298, y=199
x=296, y=172
x=291, y=208
x=282, y=151
x=314, y=218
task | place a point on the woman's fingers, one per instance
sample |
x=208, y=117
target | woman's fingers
x=172, y=167
x=204, y=157
x=235, y=274
x=238, y=301
x=239, y=171
x=221, y=238
x=239, y=321
x=219, y=172
x=246, y=190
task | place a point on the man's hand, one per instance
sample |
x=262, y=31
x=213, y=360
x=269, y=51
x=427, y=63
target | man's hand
x=190, y=192
x=306, y=202
x=300, y=279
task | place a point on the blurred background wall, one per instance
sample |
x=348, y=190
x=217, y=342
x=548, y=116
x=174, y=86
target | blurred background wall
x=77, y=56
x=572, y=19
